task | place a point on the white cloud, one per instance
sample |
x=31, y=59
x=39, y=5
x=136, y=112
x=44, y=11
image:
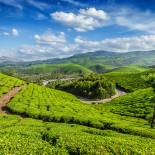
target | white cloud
x=13, y=3
x=75, y=3
x=135, y=19
x=38, y=5
x=50, y=39
x=52, y=45
x=86, y=19
x=6, y=34
x=91, y=18
x=14, y=32
x=125, y=44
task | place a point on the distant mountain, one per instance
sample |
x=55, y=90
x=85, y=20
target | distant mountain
x=95, y=60
x=143, y=58
x=8, y=61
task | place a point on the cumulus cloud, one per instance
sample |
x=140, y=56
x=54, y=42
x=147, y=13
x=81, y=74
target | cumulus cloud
x=86, y=19
x=135, y=19
x=14, y=32
x=91, y=18
x=56, y=45
x=125, y=44
x=50, y=39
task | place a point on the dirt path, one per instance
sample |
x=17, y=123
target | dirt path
x=88, y=101
x=7, y=97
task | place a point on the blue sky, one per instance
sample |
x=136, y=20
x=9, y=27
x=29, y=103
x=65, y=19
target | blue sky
x=41, y=29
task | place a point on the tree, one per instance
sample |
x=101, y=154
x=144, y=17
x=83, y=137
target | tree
x=150, y=79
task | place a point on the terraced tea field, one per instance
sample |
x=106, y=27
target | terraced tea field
x=66, y=125
x=7, y=83
x=29, y=136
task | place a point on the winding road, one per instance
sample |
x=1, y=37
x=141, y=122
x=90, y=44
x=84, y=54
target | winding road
x=89, y=101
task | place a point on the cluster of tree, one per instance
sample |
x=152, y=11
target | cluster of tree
x=93, y=86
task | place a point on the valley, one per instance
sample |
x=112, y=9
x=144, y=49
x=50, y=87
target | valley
x=49, y=116
x=77, y=77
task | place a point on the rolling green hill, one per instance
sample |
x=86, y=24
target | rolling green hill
x=56, y=106
x=38, y=72
x=129, y=69
x=140, y=58
x=99, y=68
x=70, y=126
x=56, y=68
x=136, y=104
x=129, y=81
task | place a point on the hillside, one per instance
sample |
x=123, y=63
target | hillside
x=136, y=104
x=129, y=81
x=141, y=58
x=71, y=126
x=31, y=136
x=8, y=61
x=99, y=68
x=56, y=68
x=81, y=64
x=7, y=83
x=107, y=58
x=129, y=69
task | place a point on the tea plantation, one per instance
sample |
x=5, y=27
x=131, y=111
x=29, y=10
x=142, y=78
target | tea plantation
x=136, y=104
x=51, y=121
x=29, y=136
x=7, y=83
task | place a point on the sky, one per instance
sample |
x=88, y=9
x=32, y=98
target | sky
x=43, y=29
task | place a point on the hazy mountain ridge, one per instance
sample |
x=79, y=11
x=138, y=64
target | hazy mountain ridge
x=94, y=58
x=109, y=58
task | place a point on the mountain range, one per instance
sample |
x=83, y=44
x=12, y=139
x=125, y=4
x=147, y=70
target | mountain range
x=90, y=59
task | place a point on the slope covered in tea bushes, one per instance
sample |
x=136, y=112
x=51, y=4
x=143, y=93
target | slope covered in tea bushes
x=8, y=82
x=137, y=104
x=29, y=136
